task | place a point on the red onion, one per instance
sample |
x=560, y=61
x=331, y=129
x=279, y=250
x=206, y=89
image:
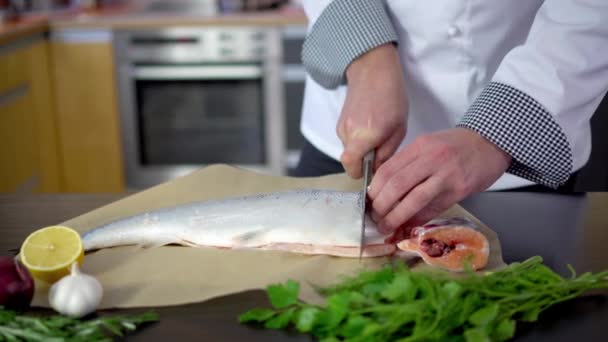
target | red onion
x=16, y=284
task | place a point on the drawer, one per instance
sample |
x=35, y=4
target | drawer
x=18, y=154
x=14, y=68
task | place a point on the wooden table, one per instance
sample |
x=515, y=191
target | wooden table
x=561, y=228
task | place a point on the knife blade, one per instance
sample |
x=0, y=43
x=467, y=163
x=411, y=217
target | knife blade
x=368, y=162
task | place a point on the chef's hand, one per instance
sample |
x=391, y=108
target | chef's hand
x=430, y=175
x=374, y=115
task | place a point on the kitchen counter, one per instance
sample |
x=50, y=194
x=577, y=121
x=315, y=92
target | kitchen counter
x=12, y=31
x=131, y=18
x=563, y=229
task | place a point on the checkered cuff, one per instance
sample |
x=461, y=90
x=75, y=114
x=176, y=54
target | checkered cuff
x=345, y=30
x=520, y=126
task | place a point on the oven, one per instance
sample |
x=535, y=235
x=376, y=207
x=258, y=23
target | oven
x=294, y=80
x=191, y=97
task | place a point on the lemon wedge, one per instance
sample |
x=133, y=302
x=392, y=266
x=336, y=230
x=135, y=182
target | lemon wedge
x=49, y=252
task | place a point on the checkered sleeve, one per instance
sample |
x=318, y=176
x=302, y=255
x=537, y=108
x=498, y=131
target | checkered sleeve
x=520, y=126
x=345, y=30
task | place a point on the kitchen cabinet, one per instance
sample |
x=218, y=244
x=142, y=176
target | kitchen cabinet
x=13, y=69
x=87, y=113
x=28, y=153
x=43, y=109
x=17, y=134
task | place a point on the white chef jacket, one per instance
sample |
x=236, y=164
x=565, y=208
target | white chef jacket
x=554, y=51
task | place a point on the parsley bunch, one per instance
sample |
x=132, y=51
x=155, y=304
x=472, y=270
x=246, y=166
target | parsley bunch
x=396, y=303
x=19, y=327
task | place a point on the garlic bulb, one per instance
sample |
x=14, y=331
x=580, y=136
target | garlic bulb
x=76, y=295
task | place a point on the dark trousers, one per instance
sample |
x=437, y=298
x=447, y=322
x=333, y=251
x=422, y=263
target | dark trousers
x=314, y=163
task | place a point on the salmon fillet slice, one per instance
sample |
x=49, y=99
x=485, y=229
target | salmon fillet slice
x=448, y=244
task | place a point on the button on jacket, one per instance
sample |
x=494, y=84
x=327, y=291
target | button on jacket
x=527, y=75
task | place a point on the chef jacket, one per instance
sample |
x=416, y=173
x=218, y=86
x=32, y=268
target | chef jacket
x=526, y=75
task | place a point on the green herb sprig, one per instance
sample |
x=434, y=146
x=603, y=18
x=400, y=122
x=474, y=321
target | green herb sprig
x=398, y=304
x=19, y=327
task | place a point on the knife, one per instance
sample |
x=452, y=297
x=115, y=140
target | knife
x=368, y=162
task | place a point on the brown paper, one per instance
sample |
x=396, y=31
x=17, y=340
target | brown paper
x=171, y=275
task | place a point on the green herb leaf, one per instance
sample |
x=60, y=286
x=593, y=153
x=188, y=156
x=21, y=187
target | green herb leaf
x=530, y=315
x=356, y=298
x=256, y=315
x=354, y=326
x=451, y=290
x=373, y=290
x=306, y=319
x=20, y=327
x=426, y=287
x=337, y=309
x=383, y=276
x=484, y=315
x=395, y=303
x=370, y=330
x=505, y=330
x=471, y=302
x=476, y=335
x=330, y=339
x=402, y=287
x=282, y=296
x=281, y=320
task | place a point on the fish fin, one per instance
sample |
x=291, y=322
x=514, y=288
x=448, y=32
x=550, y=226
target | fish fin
x=252, y=238
x=187, y=243
x=155, y=244
x=149, y=245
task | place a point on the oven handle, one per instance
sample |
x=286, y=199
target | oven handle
x=216, y=72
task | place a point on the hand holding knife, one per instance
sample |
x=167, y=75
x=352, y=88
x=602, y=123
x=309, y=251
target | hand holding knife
x=368, y=163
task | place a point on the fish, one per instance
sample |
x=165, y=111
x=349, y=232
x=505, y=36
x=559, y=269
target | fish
x=304, y=221
x=447, y=243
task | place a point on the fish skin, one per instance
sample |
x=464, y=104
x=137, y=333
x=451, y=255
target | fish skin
x=303, y=221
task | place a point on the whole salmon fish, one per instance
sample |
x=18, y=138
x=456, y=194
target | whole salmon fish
x=299, y=221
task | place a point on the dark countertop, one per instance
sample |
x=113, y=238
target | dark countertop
x=563, y=229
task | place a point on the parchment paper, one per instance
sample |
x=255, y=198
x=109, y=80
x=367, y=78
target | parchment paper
x=171, y=275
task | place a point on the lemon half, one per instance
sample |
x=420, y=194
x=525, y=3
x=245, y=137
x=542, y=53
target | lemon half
x=49, y=252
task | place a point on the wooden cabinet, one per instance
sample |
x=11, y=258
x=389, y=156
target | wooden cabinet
x=17, y=154
x=87, y=113
x=59, y=124
x=28, y=153
x=44, y=117
x=13, y=68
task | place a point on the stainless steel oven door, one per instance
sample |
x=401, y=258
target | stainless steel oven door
x=179, y=118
